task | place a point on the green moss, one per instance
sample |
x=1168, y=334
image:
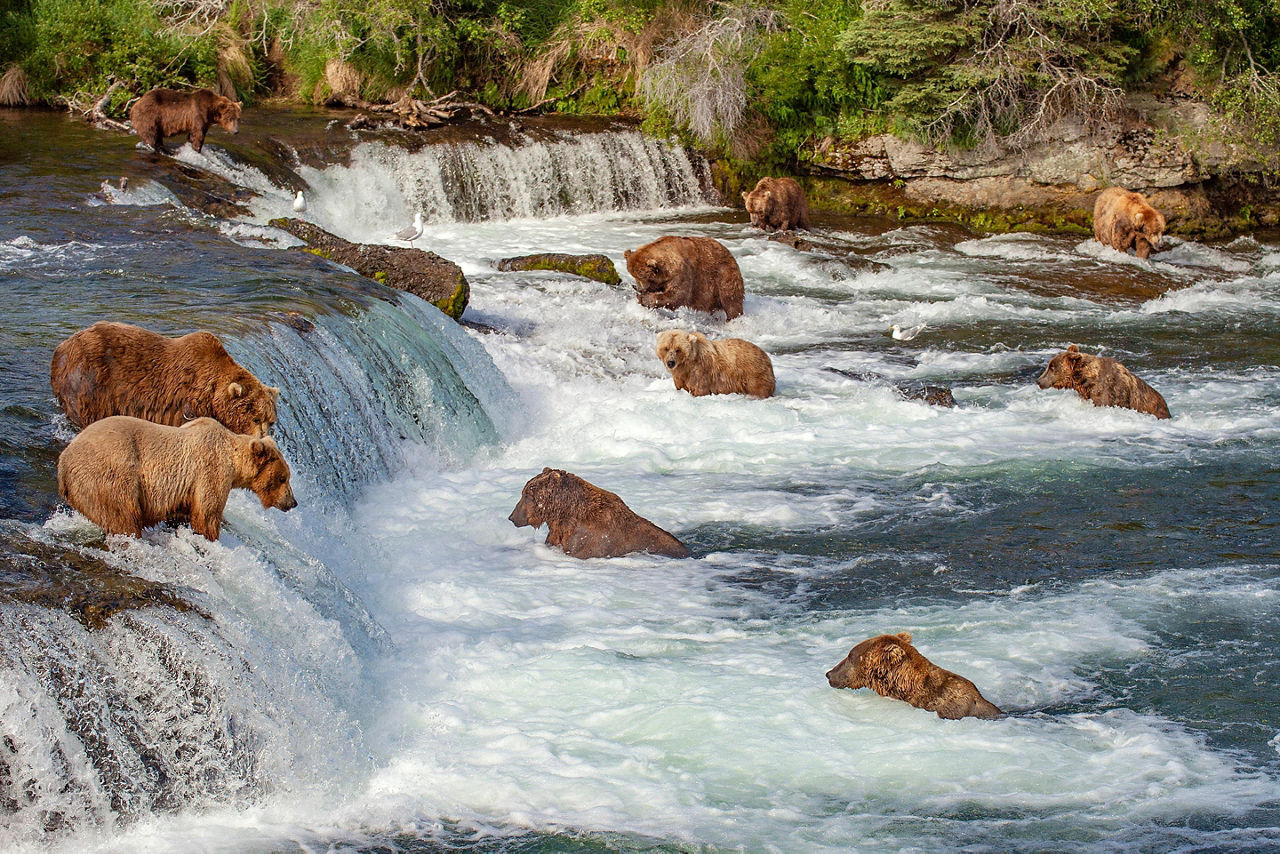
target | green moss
x=380, y=276
x=456, y=303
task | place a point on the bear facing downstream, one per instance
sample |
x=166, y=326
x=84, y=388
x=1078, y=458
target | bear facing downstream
x=1122, y=218
x=697, y=272
x=701, y=366
x=587, y=521
x=165, y=112
x=125, y=474
x=119, y=369
x=892, y=667
x=1102, y=381
x=777, y=204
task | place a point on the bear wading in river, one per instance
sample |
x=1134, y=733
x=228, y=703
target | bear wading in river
x=587, y=521
x=125, y=474
x=696, y=272
x=119, y=369
x=165, y=112
x=701, y=366
x=1123, y=219
x=1102, y=381
x=777, y=204
x=892, y=667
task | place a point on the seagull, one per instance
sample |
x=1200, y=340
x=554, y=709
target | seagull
x=900, y=334
x=300, y=203
x=413, y=232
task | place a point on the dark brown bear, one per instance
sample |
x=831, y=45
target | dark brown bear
x=587, y=521
x=1102, y=381
x=119, y=369
x=1122, y=219
x=697, y=272
x=126, y=474
x=777, y=204
x=164, y=112
x=892, y=667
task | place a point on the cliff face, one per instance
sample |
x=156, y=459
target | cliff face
x=1169, y=150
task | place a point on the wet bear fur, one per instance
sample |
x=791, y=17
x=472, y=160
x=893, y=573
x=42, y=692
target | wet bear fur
x=1123, y=219
x=892, y=667
x=1102, y=381
x=165, y=112
x=701, y=366
x=119, y=369
x=777, y=204
x=125, y=474
x=587, y=521
x=697, y=272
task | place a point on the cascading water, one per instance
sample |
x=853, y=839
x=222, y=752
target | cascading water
x=394, y=666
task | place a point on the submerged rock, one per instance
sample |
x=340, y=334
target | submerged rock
x=597, y=267
x=934, y=395
x=68, y=579
x=421, y=273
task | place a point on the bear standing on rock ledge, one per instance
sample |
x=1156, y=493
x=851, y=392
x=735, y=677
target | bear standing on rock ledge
x=1122, y=218
x=164, y=112
x=777, y=204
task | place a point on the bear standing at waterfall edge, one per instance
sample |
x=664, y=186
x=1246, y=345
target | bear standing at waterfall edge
x=125, y=474
x=120, y=369
x=697, y=272
x=777, y=204
x=164, y=112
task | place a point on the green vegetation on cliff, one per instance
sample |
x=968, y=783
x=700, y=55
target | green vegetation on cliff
x=755, y=79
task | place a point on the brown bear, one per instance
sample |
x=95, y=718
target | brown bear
x=777, y=204
x=892, y=667
x=126, y=474
x=119, y=369
x=1122, y=218
x=1102, y=381
x=697, y=272
x=164, y=112
x=702, y=366
x=587, y=521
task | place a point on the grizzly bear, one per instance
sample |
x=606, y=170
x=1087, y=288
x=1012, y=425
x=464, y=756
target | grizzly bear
x=126, y=474
x=587, y=521
x=702, y=366
x=1122, y=218
x=164, y=112
x=1102, y=381
x=777, y=204
x=119, y=369
x=697, y=272
x=892, y=667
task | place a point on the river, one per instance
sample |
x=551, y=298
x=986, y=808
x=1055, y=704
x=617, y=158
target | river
x=393, y=666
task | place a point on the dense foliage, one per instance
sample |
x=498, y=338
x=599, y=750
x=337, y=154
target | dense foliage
x=757, y=79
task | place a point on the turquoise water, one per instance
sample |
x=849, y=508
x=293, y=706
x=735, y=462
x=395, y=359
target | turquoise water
x=393, y=666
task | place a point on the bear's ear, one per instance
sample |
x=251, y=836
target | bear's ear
x=626, y=255
x=1073, y=349
x=1138, y=217
x=274, y=391
x=235, y=390
x=906, y=636
x=260, y=449
x=745, y=194
x=546, y=469
x=768, y=194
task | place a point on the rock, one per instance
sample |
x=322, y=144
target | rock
x=793, y=240
x=597, y=267
x=934, y=395
x=424, y=274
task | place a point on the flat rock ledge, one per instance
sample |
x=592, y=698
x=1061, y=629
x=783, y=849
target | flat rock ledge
x=597, y=267
x=424, y=274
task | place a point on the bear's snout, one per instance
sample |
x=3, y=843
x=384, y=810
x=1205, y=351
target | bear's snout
x=287, y=502
x=671, y=362
x=518, y=516
x=1044, y=381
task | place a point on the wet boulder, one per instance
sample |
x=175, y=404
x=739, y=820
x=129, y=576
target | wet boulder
x=424, y=274
x=597, y=267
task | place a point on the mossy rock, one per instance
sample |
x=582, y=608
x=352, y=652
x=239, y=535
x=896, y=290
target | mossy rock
x=596, y=267
x=424, y=274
